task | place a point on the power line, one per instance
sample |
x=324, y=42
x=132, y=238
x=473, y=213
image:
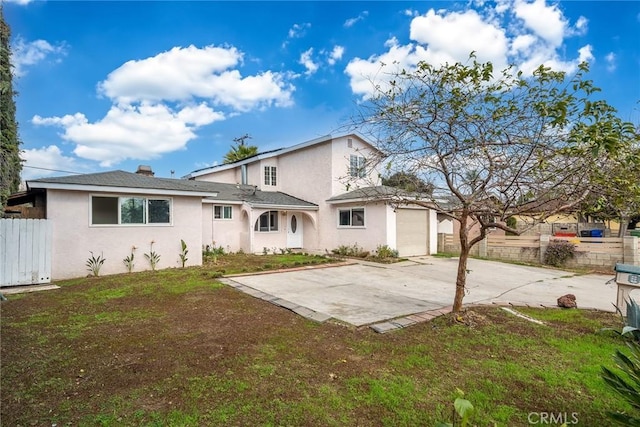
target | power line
x=51, y=170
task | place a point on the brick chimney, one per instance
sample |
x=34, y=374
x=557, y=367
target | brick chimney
x=145, y=170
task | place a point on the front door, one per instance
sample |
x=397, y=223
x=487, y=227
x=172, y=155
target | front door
x=294, y=230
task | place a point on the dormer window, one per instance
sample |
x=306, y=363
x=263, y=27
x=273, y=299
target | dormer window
x=357, y=166
x=270, y=175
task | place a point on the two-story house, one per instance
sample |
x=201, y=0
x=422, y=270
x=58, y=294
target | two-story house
x=340, y=177
x=314, y=196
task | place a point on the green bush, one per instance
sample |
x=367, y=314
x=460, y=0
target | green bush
x=352, y=251
x=384, y=251
x=559, y=252
x=626, y=383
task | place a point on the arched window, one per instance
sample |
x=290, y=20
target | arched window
x=268, y=221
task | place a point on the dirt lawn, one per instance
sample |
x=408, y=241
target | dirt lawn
x=176, y=347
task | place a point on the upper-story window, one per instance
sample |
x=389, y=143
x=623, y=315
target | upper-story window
x=269, y=175
x=357, y=166
x=112, y=210
x=222, y=212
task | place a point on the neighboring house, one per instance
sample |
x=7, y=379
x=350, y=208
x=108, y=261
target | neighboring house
x=314, y=196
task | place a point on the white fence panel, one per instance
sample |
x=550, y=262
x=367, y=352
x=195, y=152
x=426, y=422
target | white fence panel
x=25, y=251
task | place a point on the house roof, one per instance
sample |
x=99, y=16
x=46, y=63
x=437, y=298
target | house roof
x=127, y=182
x=377, y=193
x=273, y=153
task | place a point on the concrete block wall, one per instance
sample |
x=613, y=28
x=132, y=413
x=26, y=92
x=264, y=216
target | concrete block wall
x=594, y=260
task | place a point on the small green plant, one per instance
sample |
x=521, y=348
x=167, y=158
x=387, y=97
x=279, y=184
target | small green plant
x=631, y=323
x=153, y=257
x=384, y=251
x=352, y=251
x=265, y=251
x=625, y=383
x=462, y=411
x=559, y=252
x=212, y=252
x=95, y=263
x=183, y=252
x=128, y=260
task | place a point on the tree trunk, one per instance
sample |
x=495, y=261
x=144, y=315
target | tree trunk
x=461, y=278
x=624, y=223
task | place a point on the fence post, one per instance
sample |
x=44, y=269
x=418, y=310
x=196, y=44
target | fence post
x=544, y=243
x=441, y=237
x=630, y=254
x=482, y=248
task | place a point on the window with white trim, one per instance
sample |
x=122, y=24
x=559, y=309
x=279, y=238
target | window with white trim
x=269, y=175
x=113, y=210
x=357, y=167
x=222, y=212
x=268, y=221
x=351, y=217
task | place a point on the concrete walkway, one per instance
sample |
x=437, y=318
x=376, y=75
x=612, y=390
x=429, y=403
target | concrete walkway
x=391, y=296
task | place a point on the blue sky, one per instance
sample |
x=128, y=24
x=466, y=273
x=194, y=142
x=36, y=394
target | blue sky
x=112, y=85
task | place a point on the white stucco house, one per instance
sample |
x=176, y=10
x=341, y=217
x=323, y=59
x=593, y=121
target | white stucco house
x=313, y=196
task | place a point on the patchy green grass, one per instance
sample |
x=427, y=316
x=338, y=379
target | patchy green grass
x=177, y=348
x=238, y=263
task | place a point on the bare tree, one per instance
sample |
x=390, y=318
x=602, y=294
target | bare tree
x=493, y=146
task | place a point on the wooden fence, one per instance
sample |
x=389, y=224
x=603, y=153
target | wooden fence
x=25, y=251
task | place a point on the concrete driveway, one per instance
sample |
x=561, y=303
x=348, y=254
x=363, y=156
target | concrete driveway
x=395, y=295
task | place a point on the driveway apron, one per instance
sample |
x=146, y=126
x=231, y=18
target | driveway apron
x=369, y=293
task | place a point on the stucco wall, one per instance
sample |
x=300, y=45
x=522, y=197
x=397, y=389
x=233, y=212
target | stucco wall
x=222, y=232
x=373, y=234
x=228, y=176
x=73, y=237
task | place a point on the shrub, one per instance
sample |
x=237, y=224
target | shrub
x=626, y=383
x=353, y=251
x=384, y=251
x=212, y=252
x=559, y=252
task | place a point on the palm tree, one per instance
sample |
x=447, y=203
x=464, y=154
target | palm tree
x=240, y=150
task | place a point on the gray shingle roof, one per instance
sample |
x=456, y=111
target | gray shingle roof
x=380, y=192
x=225, y=192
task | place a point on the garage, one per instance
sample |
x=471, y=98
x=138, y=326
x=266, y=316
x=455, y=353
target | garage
x=412, y=231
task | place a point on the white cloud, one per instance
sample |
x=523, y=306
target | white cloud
x=132, y=132
x=45, y=161
x=454, y=35
x=611, y=61
x=585, y=54
x=352, y=21
x=26, y=54
x=298, y=30
x=547, y=22
x=517, y=32
x=20, y=2
x=307, y=60
x=335, y=55
x=182, y=74
x=581, y=26
x=160, y=102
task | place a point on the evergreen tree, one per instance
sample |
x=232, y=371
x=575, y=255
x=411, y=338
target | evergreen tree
x=10, y=163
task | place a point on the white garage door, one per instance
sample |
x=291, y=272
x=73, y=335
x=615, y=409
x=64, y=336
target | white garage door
x=412, y=232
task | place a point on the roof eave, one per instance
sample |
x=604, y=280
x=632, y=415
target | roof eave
x=117, y=189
